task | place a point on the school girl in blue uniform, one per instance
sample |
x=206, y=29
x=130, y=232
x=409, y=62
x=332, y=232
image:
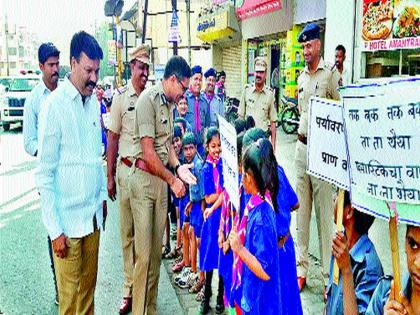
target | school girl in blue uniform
x=209, y=251
x=287, y=201
x=256, y=265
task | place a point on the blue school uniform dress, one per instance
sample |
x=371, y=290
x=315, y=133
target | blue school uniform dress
x=259, y=296
x=103, y=129
x=226, y=259
x=381, y=294
x=236, y=290
x=196, y=196
x=367, y=270
x=183, y=202
x=286, y=199
x=209, y=249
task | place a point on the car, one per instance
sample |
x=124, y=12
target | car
x=12, y=102
x=4, y=84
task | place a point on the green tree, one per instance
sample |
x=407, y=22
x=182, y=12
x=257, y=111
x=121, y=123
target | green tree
x=103, y=35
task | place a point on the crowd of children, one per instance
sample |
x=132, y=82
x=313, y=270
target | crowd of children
x=251, y=248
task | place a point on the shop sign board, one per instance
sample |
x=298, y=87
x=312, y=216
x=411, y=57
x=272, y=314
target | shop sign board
x=390, y=24
x=249, y=8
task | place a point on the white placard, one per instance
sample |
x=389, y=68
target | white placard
x=327, y=149
x=228, y=138
x=106, y=118
x=382, y=123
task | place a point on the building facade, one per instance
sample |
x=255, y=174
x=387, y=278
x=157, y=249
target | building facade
x=18, y=49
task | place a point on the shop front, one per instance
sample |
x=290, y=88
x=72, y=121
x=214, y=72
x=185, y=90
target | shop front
x=218, y=26
x=264, y=30
x=271, y=30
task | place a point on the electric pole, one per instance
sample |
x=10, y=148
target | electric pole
x=146, y=3
x=175, y=44
x=6, y=31
x=188, y=4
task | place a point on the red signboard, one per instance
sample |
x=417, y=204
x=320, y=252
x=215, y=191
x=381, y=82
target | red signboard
x=250, y=8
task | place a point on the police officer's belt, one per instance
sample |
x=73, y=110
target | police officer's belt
x=141, y=165
x=126, y=161
x=302, y=139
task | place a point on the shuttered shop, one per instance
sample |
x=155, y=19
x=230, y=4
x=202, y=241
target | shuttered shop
x=231, y=63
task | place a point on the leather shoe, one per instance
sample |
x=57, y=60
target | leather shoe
x=301, y=283
x=125, y=307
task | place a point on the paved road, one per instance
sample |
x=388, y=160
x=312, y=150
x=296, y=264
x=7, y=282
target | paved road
x=26, y=285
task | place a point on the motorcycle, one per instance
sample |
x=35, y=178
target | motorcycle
x=289, y=116
x=231, y=106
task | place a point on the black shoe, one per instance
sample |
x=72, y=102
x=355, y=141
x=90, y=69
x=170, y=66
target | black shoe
x=56, y=299
x=204, y=308
x=220, y=308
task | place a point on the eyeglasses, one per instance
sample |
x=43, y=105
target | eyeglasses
x=184, y=88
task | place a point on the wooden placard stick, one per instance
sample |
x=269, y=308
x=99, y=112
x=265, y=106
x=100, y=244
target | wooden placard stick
x=339, y=227
x=395, y=254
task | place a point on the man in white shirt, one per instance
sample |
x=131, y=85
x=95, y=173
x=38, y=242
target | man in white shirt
x=340, y=73
x=70, y=177
x=49, y=63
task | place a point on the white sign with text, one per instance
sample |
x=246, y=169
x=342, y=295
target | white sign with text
x=229, y=156
x=327, y=149
x=382, y=123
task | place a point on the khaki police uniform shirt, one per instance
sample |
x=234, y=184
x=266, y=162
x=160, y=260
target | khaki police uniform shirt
x=122, y=119
x=154, y=120
x=259, y=105
x=321, y=84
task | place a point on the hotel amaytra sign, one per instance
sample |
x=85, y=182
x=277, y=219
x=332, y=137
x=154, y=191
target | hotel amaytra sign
x=389, y=25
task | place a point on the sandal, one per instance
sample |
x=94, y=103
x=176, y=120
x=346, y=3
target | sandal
x=172, y=254
x=196, y=287
x=200, y=295
x=166, y=249
x=178, y=267
x=177, y=260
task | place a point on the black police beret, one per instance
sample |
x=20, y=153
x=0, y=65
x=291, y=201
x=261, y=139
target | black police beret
x=310, y=32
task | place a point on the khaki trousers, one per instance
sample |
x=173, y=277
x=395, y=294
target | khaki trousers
x=310, y=189
x=126, y=227
x=148, y=199
x=76, y=275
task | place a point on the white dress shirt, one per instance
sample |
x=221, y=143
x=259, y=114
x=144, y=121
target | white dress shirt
x=70, y=176
x=31, y=111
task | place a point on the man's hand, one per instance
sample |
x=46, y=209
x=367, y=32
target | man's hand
x=60, y=246
x=185, y=174
x=340, y=251
x=112, y=188
x=178, y=188
x=104, y=213
x=393, y=307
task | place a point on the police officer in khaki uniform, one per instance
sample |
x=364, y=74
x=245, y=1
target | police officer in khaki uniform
x=121, y=141
x=315, y=80
x=258, y=101
x=149, y=179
